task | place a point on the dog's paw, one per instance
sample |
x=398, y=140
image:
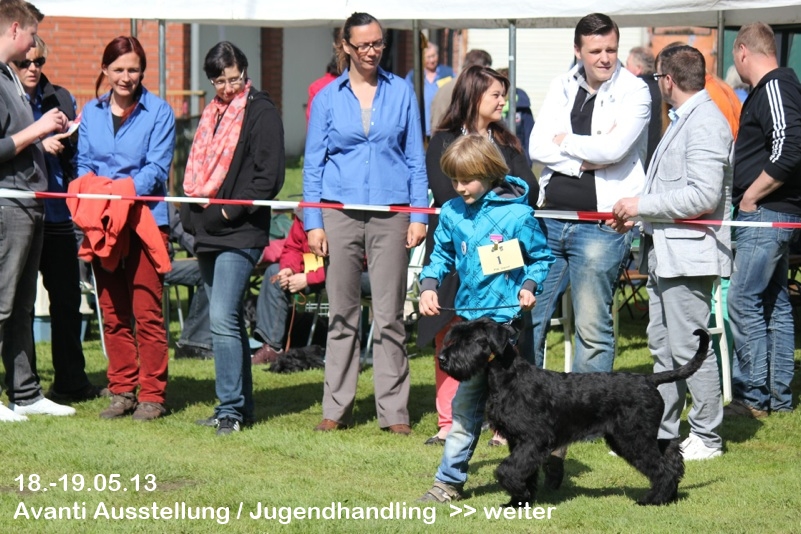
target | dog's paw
x=655, y=500
x=554, y=469
x=518, y=502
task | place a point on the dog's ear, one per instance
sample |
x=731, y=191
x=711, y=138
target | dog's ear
x=497, y=337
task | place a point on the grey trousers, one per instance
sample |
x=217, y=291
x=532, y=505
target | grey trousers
x=382, y=238
x=677, y=307
x=21, y=237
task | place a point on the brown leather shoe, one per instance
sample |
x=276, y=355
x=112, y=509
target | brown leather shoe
x=122, y=404
x=402, y=429
x=739, y=408
x=266, y=354
x=147, y=411
x=327, y=425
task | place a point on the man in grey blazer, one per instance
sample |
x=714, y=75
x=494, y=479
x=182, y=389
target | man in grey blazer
x=689, y=177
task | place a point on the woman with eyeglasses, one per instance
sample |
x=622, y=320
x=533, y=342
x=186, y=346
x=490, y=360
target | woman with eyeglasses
x=59, y=262
x=237, y=153
x=476, y=108
x=129, y=133
x=364, y=145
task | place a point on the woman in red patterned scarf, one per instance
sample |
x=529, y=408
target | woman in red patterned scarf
x=237, y=153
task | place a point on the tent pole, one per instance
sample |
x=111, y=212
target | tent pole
x=512, y=96
x=417, y=67
x=163, y=59
x=721, y=41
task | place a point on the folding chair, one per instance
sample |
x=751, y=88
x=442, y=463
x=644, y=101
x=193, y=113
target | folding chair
x=719, y=329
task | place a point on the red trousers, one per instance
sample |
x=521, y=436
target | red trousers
x=133, y=324
x=445, y=385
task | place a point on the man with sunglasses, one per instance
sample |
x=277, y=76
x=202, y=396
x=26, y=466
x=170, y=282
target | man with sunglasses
x=59, y=262
x=690, y=177
x=22, y=167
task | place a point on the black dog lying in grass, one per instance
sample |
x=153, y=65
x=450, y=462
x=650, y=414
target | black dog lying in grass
x=538, y=411
x=299, y=359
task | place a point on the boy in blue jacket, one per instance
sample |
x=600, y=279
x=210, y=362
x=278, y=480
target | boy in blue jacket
x=491, y=237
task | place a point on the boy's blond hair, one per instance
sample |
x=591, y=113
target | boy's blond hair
x=474, y=156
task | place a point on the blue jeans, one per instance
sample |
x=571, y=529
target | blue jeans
x=274, y=305
x=760, y=312
x=21, y=235
x=196, y=331
x=589, y=257
x=226, y=275
x=468, y=415
x=272, y=310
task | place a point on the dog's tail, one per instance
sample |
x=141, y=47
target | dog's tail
x=686, y=370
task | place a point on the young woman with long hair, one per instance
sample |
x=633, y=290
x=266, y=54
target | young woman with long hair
x=476, y=108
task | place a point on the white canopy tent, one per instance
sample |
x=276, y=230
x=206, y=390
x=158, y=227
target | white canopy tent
x=399, y=14
x=419, y=14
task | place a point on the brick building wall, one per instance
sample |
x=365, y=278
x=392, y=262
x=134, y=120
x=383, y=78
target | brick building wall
x=272, y=64
x=76, y=48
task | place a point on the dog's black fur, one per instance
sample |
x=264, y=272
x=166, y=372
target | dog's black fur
x=299, y=359
x=538, y=411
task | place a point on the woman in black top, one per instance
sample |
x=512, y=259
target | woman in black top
x=237, y=153
x=476, y=107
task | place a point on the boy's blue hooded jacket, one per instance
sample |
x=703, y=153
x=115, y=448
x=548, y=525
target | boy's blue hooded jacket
x=463, y=228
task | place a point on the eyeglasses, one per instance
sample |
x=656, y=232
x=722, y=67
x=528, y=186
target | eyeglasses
x=658, y=75
x=233, y=82
x=39, y=62
x=378, y=46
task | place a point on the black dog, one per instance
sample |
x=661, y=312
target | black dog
x=538, y=411
x=299, y=359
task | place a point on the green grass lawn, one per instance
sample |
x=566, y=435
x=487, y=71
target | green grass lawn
x=280, y=462
x=293, y=182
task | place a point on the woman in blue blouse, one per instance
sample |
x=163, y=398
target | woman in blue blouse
x=129, y=132
x=364, y=146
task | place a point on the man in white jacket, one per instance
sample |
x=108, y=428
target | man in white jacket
x=591, y=136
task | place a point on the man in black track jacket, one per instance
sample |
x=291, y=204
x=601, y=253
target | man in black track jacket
x=767, y=189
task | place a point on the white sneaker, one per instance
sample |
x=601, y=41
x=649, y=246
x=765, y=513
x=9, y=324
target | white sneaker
x=8, y=416
x=43, y=406
x=693, y=448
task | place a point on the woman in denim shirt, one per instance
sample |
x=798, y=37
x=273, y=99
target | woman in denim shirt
x=364, y=145
x=129, y=132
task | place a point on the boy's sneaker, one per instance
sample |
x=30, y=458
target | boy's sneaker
x=442, y=493
x=8, y=416
x=228, y=425
x=693, y=448
x=43, y=406
x=122, y=404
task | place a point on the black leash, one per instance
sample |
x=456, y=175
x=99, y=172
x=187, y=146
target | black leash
x=481, y=309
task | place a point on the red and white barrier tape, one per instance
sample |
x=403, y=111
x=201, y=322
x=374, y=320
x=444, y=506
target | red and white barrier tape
x=286, y=205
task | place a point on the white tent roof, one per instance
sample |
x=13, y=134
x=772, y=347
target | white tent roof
x=434, y=14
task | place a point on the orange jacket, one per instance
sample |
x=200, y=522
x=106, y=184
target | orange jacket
x=726, y=100
x=104, y=223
